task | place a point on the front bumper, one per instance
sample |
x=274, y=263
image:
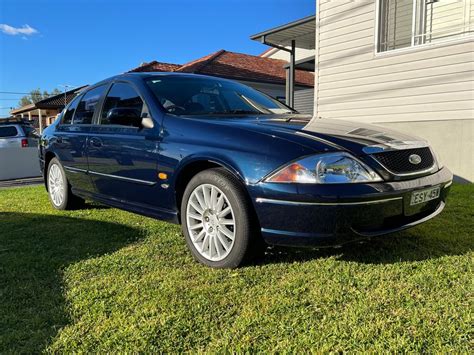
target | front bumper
x=319, y=215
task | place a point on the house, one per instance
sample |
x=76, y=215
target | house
x=44, y=112
x=264, y=74
x=403, y=64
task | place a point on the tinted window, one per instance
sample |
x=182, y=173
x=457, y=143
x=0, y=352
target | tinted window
x=182, y=95
x=69, y=113
x=8, y=131
x=86, y=107
x=121, y=96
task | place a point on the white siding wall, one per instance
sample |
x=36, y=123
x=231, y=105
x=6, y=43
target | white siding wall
x=272, y=90
x=304, y=101
x=424, y=85
x=304, y=97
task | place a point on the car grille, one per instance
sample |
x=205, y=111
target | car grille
x=397, y=161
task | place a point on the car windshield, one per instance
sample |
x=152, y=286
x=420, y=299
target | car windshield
x=181, y=95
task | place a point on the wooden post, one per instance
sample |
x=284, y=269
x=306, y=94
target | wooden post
x=40, y=119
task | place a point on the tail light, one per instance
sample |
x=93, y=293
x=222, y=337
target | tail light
x=24, y=143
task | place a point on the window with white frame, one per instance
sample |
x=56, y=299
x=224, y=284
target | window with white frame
x=408, y=23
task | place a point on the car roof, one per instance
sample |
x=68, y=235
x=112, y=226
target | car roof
x=14, y=121
x=135, y=76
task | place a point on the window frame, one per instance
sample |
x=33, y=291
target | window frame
x=98, y=105
x=461, y=38
x=104, y=98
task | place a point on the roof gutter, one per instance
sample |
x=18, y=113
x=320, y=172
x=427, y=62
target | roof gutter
x=256, y=37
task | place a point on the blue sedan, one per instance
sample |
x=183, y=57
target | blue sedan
x=237, y=169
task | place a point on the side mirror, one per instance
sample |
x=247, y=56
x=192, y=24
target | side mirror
x=125, y=116
x=147, y=122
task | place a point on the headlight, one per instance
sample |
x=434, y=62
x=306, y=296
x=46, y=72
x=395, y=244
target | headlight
x=331, y=168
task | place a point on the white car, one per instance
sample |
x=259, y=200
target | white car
x=17, y=134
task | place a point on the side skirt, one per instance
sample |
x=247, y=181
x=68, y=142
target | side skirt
x=157, y=213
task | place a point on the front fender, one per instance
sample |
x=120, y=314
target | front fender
x=213, y=158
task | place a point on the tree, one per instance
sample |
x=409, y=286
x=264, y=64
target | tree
x=35, y=95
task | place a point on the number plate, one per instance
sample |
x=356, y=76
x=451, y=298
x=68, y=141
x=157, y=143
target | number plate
x=424, y=195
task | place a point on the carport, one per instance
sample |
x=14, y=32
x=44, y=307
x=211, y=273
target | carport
x=288, y=37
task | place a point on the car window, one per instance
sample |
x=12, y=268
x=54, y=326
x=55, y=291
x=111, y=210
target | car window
x=69, y=113
x=124, y=96
x=30, y=132
x=86, y=107
x=8, y=131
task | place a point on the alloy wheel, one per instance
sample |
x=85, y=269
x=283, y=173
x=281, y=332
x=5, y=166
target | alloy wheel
x=210, y=221
x=56, y=185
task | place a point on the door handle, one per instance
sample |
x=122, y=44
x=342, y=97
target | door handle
x=59, y=140
x=95, y=142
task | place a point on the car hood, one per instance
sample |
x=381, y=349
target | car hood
x=359, y=138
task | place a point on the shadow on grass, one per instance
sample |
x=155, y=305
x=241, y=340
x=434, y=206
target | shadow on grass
x=34, y=249
x=418, y=244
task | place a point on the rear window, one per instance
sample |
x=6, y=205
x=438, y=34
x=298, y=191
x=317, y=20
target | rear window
x=67, y=115
x=8, y=131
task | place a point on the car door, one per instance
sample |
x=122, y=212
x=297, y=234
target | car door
x=123, y=156
x=71, y=137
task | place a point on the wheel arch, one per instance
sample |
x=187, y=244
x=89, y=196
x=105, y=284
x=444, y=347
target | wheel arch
x=47, y=159
x=193, y=167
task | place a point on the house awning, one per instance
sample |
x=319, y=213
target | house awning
x=54, y=102
x=296, y=34
x=302, y=31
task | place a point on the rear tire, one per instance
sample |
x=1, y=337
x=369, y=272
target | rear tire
x=59, y=190
x=218, y=221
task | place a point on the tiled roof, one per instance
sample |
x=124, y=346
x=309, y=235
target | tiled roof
x=57, y=101
x=156, y=66
x=245, y=67
x=233, y=65
x=196, y=65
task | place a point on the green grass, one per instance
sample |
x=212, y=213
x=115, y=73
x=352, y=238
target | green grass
x=101, y=279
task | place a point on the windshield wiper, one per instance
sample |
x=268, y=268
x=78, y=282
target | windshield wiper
x=294, y=116
x=234, y=112
x=245, y=112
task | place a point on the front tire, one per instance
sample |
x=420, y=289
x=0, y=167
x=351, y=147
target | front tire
x=59, y=191
x=217, y=221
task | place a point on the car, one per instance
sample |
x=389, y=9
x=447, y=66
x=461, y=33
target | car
x=17, y=133
x=236, y=168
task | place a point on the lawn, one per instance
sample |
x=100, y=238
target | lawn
x=101, y=279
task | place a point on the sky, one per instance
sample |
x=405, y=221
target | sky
x=45, y=44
